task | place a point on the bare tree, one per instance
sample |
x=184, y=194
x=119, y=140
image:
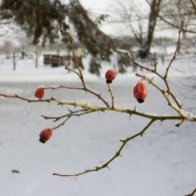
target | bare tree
x=174, y=12
x=130, y=14
x=136, y=18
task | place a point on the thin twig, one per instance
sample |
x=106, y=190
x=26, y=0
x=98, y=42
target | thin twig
x=57, y=118
x=166, y=95
x=72, y=70
x=16, y=96
x=86, y=89
x=115, y=156
x=132, y=60
x=174, y=25
x=175, y=53
x=71, y=115
x=111, y=94
x=80, y=74
x=154, y=71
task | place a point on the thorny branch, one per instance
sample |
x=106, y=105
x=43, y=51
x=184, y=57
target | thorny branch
x=116, y=155
x=167, y=93
x=66, y=117
x=175, y=53
x=77, y=109
x=85, y=89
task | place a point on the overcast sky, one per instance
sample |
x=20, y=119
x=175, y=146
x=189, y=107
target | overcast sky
x=108, y=7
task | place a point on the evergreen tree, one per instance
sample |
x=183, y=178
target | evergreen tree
x=88, y=32
x=36, y=17
x=46, y=19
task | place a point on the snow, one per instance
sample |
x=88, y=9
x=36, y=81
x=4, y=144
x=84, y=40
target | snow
x=162, y=162
x=26, y=71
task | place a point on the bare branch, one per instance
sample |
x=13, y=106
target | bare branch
x=194, y=5
x=175, y=53
x=69, y=116
x=167, y=94
x=132, y=60
x=115, y=156
x=71, y=113
x=175, y=26
x=192, y=193
x=88, y=107
x=85, y=89
x=111, y=94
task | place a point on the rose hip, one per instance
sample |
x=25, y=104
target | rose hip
x=140, y=91
x=110, y=75
x=45, y=135
x=39, y=93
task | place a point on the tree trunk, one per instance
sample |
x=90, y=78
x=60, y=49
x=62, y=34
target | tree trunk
x=14, y=61
x=154, y=12
x=36, y=60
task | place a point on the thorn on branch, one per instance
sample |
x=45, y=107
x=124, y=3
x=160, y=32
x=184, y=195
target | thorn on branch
x=97, y=168
x=134, y=110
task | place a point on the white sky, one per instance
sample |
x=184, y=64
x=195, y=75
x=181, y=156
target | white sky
x=108, y=7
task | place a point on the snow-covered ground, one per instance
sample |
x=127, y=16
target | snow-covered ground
x=26, y=71
x=160, y=163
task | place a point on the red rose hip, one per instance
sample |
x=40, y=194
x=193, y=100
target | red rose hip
x=140, y=92
x=110, y=75
x=39, y=93
x=45, y=135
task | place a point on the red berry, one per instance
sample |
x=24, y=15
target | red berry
x=140, y=92
x=110, y=76
x=45, y=135
x=39, y=93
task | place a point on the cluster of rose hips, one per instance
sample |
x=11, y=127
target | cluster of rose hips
x=139, y=92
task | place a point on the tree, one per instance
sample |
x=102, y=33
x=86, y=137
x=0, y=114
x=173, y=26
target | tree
x=52, y=20
x=135, y=17
x=36, y=17
x=131, y=15
x=8, y=48
x=88, y=32
x=162, y=14
x=152, y=21
x=174, y=12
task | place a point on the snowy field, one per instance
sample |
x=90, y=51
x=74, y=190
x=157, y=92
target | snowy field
x=162, y=163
